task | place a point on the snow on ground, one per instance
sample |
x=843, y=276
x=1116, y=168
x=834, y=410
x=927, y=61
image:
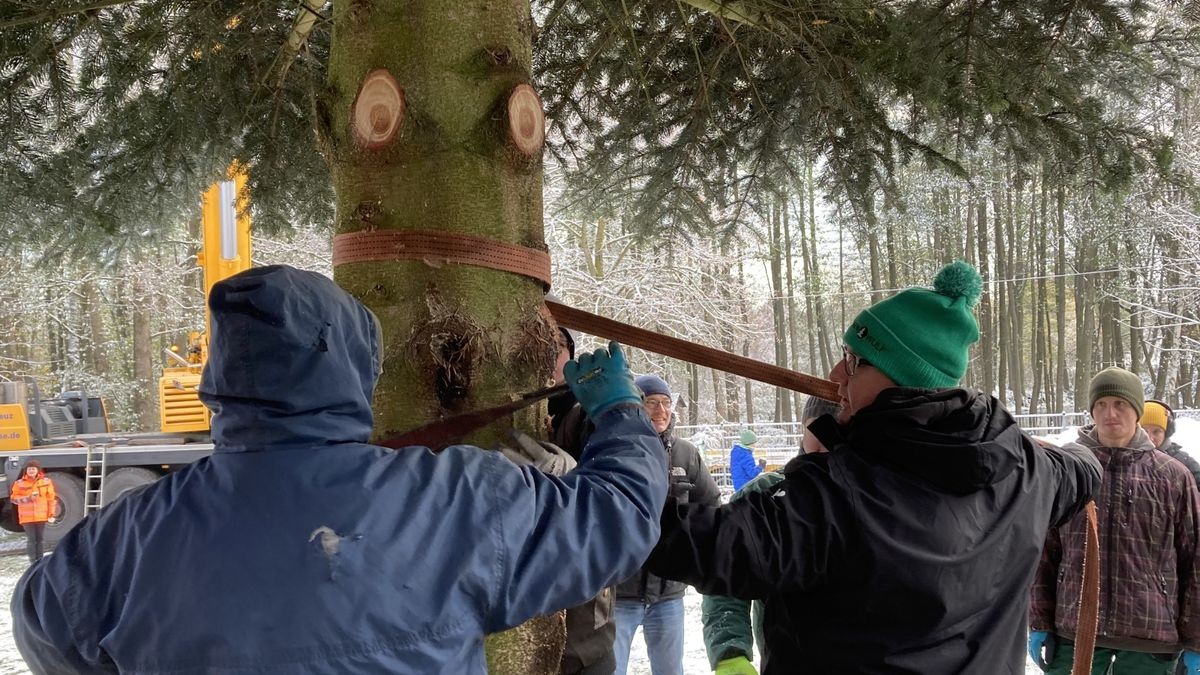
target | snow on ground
x=11, y=568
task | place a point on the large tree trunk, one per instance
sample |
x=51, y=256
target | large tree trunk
x=426, y=143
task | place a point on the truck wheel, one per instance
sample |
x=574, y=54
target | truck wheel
x=123, y=480
x=69, y=508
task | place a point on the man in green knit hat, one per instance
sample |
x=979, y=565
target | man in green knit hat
x=909, y=547
x=1149, y=539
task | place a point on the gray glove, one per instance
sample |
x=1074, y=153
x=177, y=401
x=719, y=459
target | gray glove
x=545, y=457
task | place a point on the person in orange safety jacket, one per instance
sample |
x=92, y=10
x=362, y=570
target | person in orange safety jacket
x=33, y=493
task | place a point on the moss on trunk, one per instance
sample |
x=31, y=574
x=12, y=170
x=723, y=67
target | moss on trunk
x=456, y=337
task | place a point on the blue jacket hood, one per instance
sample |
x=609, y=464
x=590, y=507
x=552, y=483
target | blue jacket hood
x=293, y=361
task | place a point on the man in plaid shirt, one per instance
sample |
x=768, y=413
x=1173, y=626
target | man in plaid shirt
x=1149, y=533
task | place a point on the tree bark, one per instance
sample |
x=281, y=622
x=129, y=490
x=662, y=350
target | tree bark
x=987, y=357
x=146, y=398
x=783, y=399
x=455, y=149
x=1060, y=302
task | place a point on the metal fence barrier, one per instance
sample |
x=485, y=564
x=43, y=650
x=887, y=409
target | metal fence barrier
x=779, y=442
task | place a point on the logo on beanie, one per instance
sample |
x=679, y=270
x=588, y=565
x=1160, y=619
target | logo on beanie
x=862, y=333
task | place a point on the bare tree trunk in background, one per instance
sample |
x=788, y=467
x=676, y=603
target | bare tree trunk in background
x=987, y=357
x=783, y=399
x=1060, y=302
x=1016, y=304
x=813, y=281
x=693, y=400
x=719, y=396
x=875, y=254
x=146, y=399
x=97, y=342
x=1135, y=328
x=971, y=254
x=793, y=322
x=1037, y=253
x=1085, y=321
x=1001, y=319
x=1170, y=335
x=746, y=347
x=890, y=245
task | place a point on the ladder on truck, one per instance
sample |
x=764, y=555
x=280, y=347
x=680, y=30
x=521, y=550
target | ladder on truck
x=93, y=477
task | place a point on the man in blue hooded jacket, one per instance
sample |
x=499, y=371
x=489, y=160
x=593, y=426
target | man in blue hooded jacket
x=297, y=547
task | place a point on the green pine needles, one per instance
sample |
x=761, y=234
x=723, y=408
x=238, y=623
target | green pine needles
x=114, y=115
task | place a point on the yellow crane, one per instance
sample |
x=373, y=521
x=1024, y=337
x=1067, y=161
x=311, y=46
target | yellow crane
x=224, y=251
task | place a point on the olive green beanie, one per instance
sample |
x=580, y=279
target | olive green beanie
x=1114, y=381
x=919, y=337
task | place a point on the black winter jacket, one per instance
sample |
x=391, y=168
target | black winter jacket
x=1176, y=452
x=691, y=483
x=909, y=548
x=591, y=630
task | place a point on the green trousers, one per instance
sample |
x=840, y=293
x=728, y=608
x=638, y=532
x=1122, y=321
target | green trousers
x=1120, y=661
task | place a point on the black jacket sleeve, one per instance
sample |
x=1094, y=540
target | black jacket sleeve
x=704, y=488
x=1079, y=475
x=767, y=543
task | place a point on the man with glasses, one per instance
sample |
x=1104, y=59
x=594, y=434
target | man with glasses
x=646, y=600
x=909, y=547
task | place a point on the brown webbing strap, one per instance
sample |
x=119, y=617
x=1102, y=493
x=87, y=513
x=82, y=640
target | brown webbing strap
x=608, y=329
x=441, y=247
x=1089, y=598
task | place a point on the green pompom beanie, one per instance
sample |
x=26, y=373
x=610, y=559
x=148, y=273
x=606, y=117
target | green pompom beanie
x=747, y=437
x=1114, y=381
x=919, y=337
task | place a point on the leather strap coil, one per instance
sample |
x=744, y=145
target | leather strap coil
x=441, y=247
x=1089, y=599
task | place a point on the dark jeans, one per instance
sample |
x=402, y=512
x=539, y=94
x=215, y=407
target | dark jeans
x=33, y=540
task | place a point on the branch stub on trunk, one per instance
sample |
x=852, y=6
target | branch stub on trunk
x=526, y=121
x=378, y=111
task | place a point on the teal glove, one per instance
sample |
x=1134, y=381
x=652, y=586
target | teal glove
x=1191, y=662
x=601, y=380
x=1042, y=642
x=738, y=665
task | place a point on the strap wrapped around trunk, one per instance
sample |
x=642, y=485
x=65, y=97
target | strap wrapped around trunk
x=439, y=248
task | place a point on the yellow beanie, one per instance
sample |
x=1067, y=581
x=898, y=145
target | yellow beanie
x=1155, y=415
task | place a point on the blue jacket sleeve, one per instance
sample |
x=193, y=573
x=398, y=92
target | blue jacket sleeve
x=563, y=539
x=44, y=629
x=742, y=468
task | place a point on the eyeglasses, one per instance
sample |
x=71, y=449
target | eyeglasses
x=657, y=404
x=852, y=360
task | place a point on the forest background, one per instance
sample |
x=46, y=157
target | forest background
x=1090, y=258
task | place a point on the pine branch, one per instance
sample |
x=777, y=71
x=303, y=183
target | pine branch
x=734, y=11
x=54, y=14
x=306, y=18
